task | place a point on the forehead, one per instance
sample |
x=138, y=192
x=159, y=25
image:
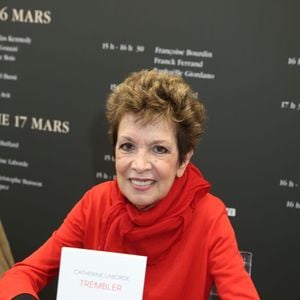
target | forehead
x=132, y=126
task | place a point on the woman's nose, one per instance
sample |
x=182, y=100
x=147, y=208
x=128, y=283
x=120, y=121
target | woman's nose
x=141, y=162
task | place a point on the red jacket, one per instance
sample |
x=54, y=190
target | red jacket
x=207, y=252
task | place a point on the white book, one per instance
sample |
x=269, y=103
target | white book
x=100, y=275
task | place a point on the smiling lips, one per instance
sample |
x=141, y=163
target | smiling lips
x=141, y=184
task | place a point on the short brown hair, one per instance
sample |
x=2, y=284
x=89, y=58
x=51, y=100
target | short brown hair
x=152, y=95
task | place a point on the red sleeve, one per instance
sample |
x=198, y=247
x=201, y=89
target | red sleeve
x=33, y=273
x=226, y=264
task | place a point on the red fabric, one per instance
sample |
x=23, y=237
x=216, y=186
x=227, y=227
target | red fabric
x=152, y=233
x=203, y=243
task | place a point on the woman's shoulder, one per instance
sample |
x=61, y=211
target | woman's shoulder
x=210, y=201
x=99, y=195
x=101, y=188
x=209, y=216
x=210, y=207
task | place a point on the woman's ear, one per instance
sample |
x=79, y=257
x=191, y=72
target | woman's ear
x=184, y=164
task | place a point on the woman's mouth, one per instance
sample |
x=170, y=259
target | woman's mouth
x=142, y=184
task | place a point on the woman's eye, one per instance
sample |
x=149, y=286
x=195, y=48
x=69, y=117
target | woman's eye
x=127, y=147
x=160, y=149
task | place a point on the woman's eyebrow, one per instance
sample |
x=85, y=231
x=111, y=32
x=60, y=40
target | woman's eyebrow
x=125, y=137
x=161, y=141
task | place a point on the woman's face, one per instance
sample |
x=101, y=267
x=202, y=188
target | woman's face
x=146, y=160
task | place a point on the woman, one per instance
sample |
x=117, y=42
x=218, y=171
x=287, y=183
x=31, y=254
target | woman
x=158, y=206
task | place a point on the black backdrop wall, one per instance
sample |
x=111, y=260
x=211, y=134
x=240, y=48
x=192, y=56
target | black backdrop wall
x=59, y=60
